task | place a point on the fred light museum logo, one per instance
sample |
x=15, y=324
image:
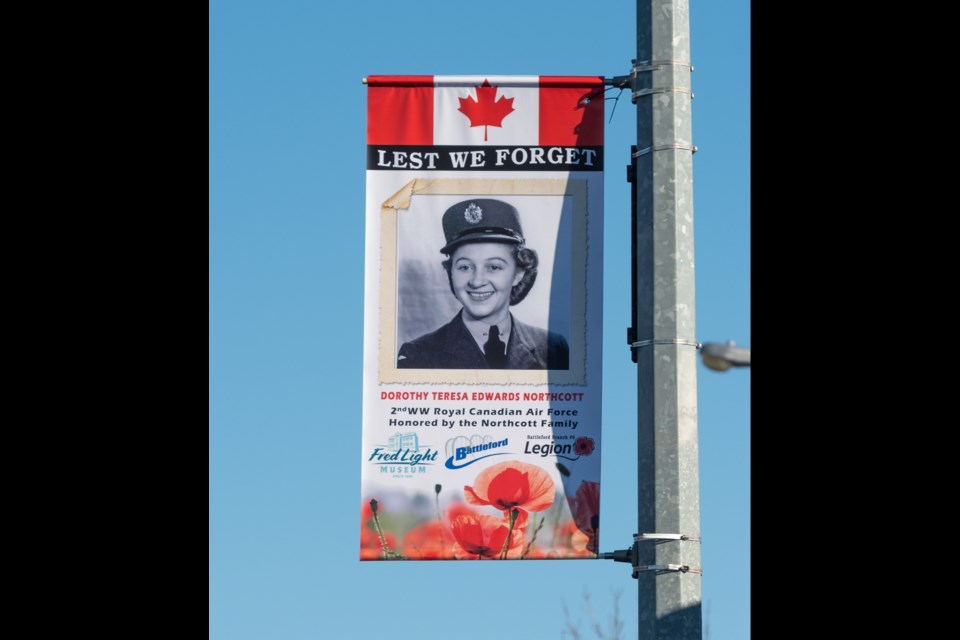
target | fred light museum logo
x=403, y=456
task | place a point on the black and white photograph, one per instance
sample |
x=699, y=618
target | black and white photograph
x=490, y=269
x=488, y=281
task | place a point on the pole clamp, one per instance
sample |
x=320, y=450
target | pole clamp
x=646, y=92
x=659, y=538
x=644, y=343
x=661, y=147
x=666, y=568
x=653, y=65
x=665, y=537
x=632, y=554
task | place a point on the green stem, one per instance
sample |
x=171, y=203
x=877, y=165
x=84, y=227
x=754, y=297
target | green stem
x=376, y=523
x=506, y=543
x=534, y=538
x=440, y=518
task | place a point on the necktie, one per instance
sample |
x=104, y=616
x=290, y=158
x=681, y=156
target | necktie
x=495, y=349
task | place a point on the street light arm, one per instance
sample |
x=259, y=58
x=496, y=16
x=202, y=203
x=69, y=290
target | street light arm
x=721, y=357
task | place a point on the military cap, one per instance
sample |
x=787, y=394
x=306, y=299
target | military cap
x=481, y=220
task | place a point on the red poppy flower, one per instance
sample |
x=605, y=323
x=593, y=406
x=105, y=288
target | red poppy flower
x=483, y=537
x=583, y=446
x=586, y=512
x=512, y=484
x=429, y=541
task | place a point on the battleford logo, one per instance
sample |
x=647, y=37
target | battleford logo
x=403, y=454
x=460, y=449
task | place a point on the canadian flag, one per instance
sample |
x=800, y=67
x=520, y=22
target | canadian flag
x=485, y=110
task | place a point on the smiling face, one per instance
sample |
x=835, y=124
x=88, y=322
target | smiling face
x=482, y=274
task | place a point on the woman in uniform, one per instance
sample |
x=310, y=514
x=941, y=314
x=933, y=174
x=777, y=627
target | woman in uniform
x=489, y=269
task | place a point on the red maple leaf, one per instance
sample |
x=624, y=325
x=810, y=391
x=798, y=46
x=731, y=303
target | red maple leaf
x=485, y=110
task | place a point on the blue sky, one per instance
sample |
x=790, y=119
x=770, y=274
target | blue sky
x=287, y=188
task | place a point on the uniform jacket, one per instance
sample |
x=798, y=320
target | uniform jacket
x=452, y=347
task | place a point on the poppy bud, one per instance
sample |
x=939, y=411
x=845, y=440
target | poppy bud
x=373, y=506
x=437, y=488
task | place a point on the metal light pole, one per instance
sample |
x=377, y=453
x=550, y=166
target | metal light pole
x=667, y=562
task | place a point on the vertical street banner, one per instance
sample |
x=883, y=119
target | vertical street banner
x=483, y=299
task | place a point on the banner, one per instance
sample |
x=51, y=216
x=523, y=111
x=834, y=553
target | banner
x=482, y=318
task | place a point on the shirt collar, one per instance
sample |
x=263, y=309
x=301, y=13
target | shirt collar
x=480, y=330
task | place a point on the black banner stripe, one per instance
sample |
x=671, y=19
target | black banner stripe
x=485, y=158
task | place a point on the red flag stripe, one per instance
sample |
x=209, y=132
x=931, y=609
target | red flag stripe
x=571, y=110
x=400, y=110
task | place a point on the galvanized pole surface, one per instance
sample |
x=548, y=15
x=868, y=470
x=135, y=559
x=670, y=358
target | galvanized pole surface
x=668, y=459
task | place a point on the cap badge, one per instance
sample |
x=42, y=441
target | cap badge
x=473, y=213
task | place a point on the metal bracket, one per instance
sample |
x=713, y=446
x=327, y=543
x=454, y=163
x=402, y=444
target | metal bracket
x=632, y=554
x=620, y=82
x=623, y=555
x=661, y=147
x=644, y=343
x=647, y=92
x=665, y=536
x=653, y=65
x=639, y=67
x=666, y=568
